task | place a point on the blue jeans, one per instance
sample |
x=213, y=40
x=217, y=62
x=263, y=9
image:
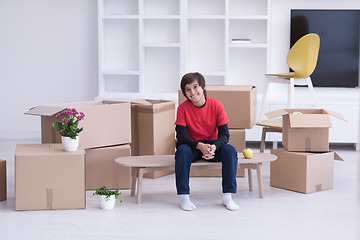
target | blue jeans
x=185, y=155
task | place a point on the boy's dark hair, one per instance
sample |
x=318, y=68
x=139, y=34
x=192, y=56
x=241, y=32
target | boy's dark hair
x=190, y=78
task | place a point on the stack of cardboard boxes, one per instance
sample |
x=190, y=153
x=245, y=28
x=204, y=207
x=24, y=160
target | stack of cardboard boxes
x=106, y=136
x=111, y=129
x=306, y=164
x=240, y=106
x=153, y=130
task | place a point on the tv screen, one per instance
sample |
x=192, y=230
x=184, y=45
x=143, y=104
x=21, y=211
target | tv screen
x=338, y=61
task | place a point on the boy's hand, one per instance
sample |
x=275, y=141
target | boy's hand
x=208, y=150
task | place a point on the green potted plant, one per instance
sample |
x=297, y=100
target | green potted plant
x=68, y=127
x=107, y=197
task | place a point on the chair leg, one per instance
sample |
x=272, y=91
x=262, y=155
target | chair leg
x=312, y=92
x=263, y=138
x=291, y=94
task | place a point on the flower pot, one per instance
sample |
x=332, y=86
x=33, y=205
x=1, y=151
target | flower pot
x=69, y=144
x=107, y=203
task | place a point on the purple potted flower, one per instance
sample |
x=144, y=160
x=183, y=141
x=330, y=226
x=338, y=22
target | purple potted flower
x=68, y=127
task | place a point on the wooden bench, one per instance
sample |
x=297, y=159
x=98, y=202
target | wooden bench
x=142, y=164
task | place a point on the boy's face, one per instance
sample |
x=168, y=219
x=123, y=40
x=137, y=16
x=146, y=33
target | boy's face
x=195, y=93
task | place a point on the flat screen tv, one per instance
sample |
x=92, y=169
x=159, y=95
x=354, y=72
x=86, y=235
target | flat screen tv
x=338, y=61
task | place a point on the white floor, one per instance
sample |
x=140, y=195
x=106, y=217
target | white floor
x=331, y=214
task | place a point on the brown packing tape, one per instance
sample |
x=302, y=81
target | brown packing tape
x=49, y=199
x=318, y=187
x=307, y=144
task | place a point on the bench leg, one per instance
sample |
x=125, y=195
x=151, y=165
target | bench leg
x=250, y=179
x=133, y=180
x=140, y=181
x=259, y=179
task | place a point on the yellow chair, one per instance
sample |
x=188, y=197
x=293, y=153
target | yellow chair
x=302, y=59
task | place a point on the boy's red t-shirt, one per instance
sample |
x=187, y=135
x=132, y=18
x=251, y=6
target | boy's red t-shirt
x=202, y=123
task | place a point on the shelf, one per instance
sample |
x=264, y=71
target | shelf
x=249, y=17
x=248, y=45
x=163, y=17
x=206, y=7
x=253, y=7
x=120, y=72
x=124, y=7
x=118, y=16
x=162, y=45
x=210, y=17
x=161, y=7
x=161, y=31
x=145, y=46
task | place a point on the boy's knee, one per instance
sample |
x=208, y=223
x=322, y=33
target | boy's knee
x=183, y=151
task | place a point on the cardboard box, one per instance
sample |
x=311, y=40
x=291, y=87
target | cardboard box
x=102, y=170
x=153, y=130
x=308, y=131
x=105, y=123
x=3, y=193
x=303, y=172
x=47, y=177
x=239, y=102
x=237, y=139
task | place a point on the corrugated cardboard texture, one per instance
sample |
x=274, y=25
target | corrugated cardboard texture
x=153, y=130
x=304, y=139
x=302, y=171
x=237, y=139
x=3, y=193
x=239, y=102
x=101, y=169
x=47, y=177
x=105, y=123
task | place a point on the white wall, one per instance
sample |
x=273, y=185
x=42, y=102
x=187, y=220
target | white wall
x=48, y=54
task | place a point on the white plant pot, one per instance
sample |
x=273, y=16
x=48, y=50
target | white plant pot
x=107, y=203
x=69, y=144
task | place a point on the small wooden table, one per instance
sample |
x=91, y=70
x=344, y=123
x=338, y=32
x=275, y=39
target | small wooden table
x=142, y=164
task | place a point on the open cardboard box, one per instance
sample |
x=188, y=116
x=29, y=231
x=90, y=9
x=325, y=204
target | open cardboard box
x=303, y=172
x=106, y=122
x=308, y=131
x=239, y=102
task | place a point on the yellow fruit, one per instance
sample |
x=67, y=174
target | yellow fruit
x=248, y=153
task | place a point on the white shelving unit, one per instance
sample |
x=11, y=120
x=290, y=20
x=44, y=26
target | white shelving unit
x=145, y=46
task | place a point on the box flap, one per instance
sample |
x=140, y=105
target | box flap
x=141, y=101
x=44, y=110
x=335, y=114
x=153, y=106
x=337, y=157
x=276, y=113
x=309, y=121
